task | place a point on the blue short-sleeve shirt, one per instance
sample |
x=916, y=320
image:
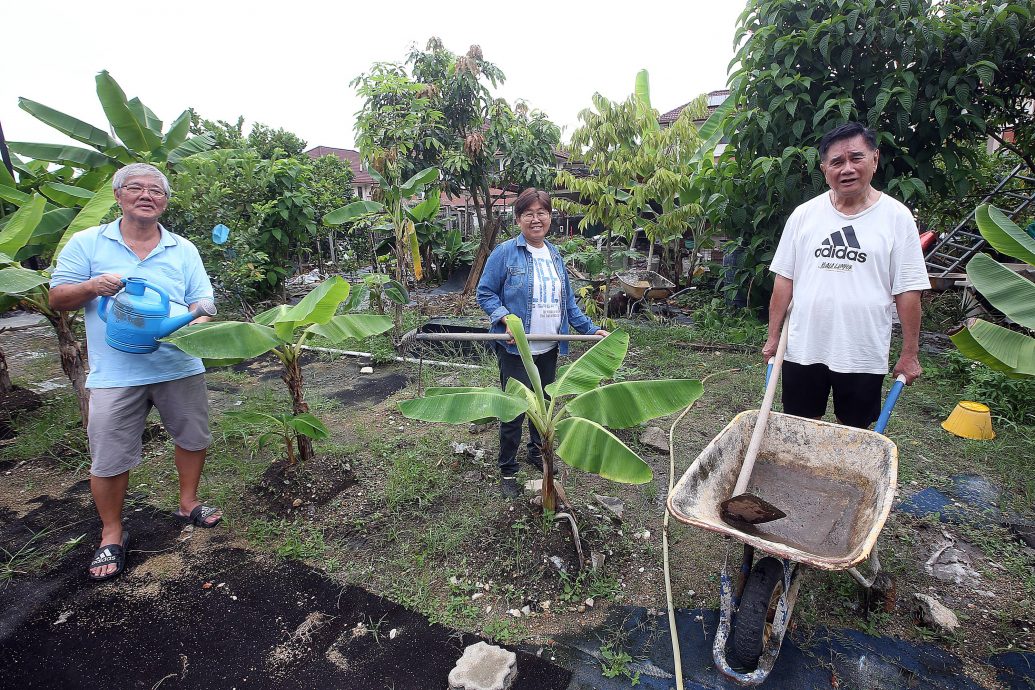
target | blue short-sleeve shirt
x=174, y=265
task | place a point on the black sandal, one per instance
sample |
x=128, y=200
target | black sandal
x=108, y=554
x=199, y=516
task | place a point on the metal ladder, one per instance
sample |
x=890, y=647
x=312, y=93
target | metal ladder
x=952, y=252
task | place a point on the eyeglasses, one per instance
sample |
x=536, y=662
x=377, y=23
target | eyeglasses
x=137, y=190
x=529, y=215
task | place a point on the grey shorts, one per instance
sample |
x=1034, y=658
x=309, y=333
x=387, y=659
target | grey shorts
x=118, y=416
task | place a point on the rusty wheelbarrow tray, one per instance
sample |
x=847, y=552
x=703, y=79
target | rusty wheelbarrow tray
x=837, y=485
x=644, y=284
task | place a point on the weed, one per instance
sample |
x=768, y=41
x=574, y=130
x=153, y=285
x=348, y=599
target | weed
x=31, y=557
x=289, y=540
x=52, y=431
x=502, y=630
x=614, y=660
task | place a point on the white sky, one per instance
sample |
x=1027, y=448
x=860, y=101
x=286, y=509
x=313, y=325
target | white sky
x=289, y=64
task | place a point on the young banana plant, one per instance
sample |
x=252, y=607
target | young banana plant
x=572, y=413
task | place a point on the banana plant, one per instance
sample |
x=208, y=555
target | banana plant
x=283, y=330
x=573, y=420
x=286, y=428
x=138, y=135
x=394, y=196
x=1009, y=351
x=34, y=225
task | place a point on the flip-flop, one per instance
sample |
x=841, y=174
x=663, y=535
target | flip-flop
x=108, y=554
x=199, y=515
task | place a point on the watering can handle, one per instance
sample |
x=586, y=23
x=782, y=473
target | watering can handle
x=889, y=404
x=102, y=308
x=161, y=293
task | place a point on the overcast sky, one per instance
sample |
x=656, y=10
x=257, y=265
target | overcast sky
x=289, y=64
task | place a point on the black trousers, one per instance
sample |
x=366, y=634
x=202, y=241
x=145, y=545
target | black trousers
x=510, y=432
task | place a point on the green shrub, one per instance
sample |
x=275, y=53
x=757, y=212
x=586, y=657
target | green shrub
x=1012, y=399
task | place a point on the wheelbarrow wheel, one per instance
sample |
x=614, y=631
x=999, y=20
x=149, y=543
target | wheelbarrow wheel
x=754, y=620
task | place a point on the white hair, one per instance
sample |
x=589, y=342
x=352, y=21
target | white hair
x=139, y=170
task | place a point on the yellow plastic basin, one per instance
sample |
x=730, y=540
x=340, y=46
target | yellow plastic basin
x=970, y=420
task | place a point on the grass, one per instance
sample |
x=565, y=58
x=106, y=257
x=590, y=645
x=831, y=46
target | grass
x=32, y=556
x=53, y=431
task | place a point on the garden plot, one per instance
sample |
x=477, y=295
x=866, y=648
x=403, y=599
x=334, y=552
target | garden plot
x=388, y=505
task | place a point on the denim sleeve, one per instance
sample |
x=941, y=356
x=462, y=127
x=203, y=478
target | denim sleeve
x=490, y=286
x=579, y=321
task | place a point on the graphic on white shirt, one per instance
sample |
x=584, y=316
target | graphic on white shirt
x=546, y=298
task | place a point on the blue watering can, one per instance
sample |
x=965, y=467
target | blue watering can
x=137, y=319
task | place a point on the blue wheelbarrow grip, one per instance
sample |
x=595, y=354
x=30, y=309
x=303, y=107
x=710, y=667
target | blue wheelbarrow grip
x=889, y=404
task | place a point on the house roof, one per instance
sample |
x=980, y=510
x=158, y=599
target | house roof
x=715, y=99
x=359, y=175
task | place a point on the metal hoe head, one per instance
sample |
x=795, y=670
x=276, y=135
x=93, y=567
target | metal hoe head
x=748, y=509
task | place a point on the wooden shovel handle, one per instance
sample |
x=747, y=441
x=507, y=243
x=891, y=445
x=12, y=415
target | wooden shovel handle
x=763, y=414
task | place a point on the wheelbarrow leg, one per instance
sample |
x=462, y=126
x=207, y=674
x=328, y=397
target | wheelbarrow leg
x=878, y=590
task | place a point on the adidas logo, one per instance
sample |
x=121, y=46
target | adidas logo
x=842, y=244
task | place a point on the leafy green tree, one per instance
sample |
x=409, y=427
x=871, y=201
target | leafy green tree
x=575, y=432
x=637, y=170
x=438, y=110
x=929, y=76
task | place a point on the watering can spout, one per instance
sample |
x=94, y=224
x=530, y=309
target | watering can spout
x=202, y=308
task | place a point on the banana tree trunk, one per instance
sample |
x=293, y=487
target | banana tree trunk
x=549, y=493
x=72, y=363
x=5, y=376
x=292, y=376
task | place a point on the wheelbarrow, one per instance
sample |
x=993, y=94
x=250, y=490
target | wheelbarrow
x=836, y=484
x=644, y=284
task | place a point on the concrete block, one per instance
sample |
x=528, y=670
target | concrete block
x=484, y=667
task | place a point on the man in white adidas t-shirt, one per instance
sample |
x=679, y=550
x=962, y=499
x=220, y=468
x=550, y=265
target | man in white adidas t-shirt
x=845, y=257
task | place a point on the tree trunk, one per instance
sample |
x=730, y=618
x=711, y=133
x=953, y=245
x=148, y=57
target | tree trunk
x=549, y=493
x=293, y=378
x=5, y=376
x=72, y=361
x=489, y=231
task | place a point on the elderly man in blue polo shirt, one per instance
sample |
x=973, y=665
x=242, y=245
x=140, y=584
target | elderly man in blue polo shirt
x=123, y=386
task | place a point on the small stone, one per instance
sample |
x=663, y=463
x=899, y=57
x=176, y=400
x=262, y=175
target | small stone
x=526, y=610
x=515, y=613
x=596, y=560
x=932, y=613
x=393, y=633
x=367, y=370
x=641, y=569
x=614, y=505
x=545, y=604
x=558, y=563
x=206, y=585
x=582, y=609
x=484, y=667
x=65, y=615
x=477, y=595
x=645, y=535
x=656, y=438
x=590, y=602
x=296, y=503
x=234, y=597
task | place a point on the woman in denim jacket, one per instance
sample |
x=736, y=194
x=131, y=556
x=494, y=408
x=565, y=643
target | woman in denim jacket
x=525, y=276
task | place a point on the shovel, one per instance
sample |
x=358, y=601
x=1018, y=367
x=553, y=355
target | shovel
x=745, y=508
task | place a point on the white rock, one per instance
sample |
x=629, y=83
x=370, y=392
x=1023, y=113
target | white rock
x=515, y=613
x=65, y=615
x=656, y=438
x=646, y=534
x=367, y=370
x=526, y=610
x=546, y=604
x=590, y=602
x=932, y=613
x=477, y=595
x=393, y=633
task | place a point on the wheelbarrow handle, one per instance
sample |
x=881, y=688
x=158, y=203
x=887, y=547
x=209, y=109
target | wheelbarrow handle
x=889, y=404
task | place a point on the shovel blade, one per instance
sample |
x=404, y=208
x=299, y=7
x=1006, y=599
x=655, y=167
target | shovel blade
x=748, y=509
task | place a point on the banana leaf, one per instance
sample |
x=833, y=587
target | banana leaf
x=146, y=116
x=225, y=340
x=66, y=195
x=598, y=363
x=320, y=304
x=427, y=209
x=275, y=319
x=411, y=236
x=413, y=185
x=19, y=228
x=462, y=408
x=82, y=132
x=18, y=281
x=59, y=153
x=396, y=292
x=191, y=147
x=1007, y=291
x=6, y=178
x=47, y=233
x=14, y=196
x=587, y=446
x=359, y=293
x=1004, y=235
x=90, y=215
x=178, y=131
x=356, y=326
x=308, y=425
x=133, y=132
x=351, y=212
x=626, y=404
x=517, y=330
x=1000, y=348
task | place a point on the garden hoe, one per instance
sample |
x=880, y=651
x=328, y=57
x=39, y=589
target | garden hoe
x=745, y=508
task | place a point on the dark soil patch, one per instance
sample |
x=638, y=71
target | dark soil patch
x=18, y=401
x=370, y=387
x=220, y=617
x=286, y=491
